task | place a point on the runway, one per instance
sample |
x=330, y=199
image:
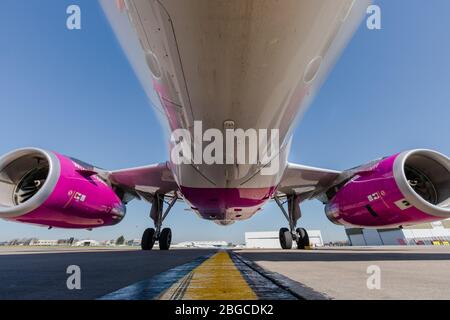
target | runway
x=198, y=274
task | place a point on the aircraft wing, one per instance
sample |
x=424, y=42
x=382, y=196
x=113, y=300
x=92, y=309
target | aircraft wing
x=307, y=182
x=145, y=181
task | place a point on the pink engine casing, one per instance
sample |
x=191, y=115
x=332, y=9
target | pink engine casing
x=380, y=196
x=72, y=195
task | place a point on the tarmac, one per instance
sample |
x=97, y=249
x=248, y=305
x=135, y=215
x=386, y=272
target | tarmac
x=211, y=274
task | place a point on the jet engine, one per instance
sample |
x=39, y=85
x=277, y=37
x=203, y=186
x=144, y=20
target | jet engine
x=405, y=189
x=46, y=188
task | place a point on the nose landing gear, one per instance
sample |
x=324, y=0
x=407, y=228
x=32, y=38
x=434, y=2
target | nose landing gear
x=163, y=236
x=288, y=236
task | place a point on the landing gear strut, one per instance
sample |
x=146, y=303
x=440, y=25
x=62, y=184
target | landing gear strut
x=163, y=236
x=288, y=236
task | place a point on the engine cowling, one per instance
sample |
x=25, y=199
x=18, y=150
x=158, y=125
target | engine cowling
x=46, y=188
x=405, y=189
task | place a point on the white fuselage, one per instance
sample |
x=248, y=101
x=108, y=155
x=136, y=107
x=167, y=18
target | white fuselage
x=253, y=63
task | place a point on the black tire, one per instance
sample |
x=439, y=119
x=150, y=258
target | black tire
x=165, y=239
x=285, y=239
x=303, y=239
x=148, y=239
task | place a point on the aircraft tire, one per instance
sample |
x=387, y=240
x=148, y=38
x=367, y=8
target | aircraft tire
x=165, y=239
x=303, y=239
x=285, y=237
x=148, y=239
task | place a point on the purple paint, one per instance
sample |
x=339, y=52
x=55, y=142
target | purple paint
x=227, y=204
x=77, y=201
x=373, y=199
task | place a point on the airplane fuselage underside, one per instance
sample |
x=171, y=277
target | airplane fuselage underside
x=248, y=64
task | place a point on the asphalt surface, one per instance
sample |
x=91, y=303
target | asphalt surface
x=221, y=276
x=404, y=272
x=39, y=275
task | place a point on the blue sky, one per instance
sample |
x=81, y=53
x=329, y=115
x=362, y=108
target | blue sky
x=74, y=92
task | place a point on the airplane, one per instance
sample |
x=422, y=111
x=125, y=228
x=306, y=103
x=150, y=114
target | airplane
x=229, y=65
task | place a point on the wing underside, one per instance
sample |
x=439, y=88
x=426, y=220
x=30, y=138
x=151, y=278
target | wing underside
x=306, y=182
x=145, y=182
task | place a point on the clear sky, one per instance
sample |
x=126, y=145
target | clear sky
x=74, y=92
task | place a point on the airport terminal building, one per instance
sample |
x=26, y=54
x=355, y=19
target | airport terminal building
x=435, y=233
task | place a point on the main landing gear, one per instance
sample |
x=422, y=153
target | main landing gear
x=163, y=236
x=288, y=236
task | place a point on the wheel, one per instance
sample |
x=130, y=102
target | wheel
x=165, y=239
x=285, y=238
x=148, y=239
x=303, y=238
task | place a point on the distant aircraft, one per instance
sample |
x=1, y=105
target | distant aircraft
x=213, y=68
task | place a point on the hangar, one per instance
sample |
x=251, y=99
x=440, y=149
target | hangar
x=434, y=233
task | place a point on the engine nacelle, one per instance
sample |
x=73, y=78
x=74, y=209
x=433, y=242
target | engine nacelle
x=46, y=188
x=405, y=189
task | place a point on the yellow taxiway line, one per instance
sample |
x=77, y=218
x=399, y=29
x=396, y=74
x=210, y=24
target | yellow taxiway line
x=217, y=278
